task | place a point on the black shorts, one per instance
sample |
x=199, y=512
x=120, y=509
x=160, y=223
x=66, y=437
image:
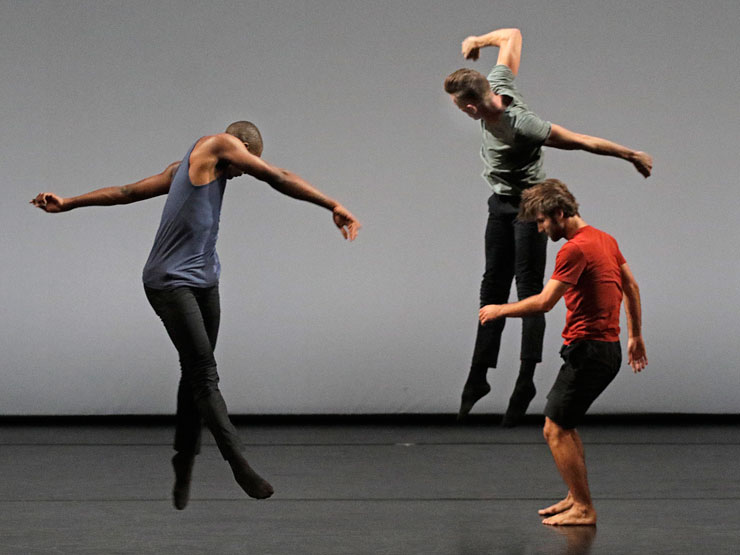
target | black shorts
x=589, y=367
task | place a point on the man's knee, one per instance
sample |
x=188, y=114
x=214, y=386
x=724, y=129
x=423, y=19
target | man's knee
x=553, y=431
x=495, y=289
x=203, y=380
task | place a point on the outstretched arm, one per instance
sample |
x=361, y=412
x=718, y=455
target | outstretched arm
x=232, y=150
x=509, y=42
x=542, y=302
x=141, y=190
x=562, y=138
x=636, y=353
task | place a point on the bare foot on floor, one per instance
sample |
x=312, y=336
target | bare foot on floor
x=558, y=507
x=577, y=515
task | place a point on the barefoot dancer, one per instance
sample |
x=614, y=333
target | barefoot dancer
x=592, y=275
x=182, y=273
x=513, y=137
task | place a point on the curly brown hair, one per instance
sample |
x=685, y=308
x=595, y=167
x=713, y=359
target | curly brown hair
x=547, y=198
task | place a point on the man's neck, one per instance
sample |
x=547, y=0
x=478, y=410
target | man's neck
x=572, y=225
x=493, y=106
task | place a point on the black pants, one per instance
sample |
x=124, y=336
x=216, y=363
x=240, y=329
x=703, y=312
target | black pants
x=514, y=249
x=191, y=317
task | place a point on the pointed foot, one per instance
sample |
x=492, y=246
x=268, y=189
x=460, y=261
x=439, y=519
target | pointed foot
x=472, y=393
x=183, y=466
x=252, y=483
x=518, y=404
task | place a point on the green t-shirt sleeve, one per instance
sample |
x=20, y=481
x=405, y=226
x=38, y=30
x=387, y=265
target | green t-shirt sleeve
x=530, y=128
x=501, y=79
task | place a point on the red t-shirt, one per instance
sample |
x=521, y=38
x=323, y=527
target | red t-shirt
x=591, y=262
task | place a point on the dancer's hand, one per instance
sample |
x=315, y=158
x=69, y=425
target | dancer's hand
x=643, y=162
x=470, y=48
x=49, y=202
x=489, y=313
x=636, y=354
x=346, y=222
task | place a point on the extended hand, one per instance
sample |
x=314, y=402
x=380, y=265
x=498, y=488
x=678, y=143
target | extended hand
x=49, y=202
x=489, y=313
x=346, y=222
x=636, y=354
x=470, y=48
x=643, y=162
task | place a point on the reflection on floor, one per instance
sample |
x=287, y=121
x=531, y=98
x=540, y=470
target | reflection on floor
x=375, y=489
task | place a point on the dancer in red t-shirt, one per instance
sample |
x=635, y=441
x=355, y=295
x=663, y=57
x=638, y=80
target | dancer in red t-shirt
x=593, y=276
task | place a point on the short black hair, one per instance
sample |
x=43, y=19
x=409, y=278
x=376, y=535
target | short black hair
x=248, y=133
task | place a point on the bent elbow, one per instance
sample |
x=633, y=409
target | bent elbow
x=126, y=195
x=543, y=304
x=548, y=305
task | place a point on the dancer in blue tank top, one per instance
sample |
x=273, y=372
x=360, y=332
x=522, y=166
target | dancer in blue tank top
x=181, y=278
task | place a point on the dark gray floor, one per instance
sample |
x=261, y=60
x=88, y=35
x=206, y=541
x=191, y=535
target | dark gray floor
x=368, y=490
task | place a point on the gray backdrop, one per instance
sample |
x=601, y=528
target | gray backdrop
x=349, y=95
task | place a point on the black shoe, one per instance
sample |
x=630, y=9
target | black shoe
x=518, y=403
x=183, y=465
x=471, y=394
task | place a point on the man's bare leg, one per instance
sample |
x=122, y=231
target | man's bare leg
x=566, y=503
x=567, y=451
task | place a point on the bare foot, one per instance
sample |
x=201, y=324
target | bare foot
x=251, y=482
x=577, y=515
x=558, y=507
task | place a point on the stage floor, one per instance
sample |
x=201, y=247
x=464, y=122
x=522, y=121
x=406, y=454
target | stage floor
x=368, y=489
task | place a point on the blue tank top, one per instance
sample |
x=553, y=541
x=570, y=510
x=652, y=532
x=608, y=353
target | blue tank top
x=184, y=250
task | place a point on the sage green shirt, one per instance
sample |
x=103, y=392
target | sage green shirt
x=512, y=147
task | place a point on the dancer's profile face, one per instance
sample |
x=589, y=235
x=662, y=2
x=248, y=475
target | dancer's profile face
x=551, y=226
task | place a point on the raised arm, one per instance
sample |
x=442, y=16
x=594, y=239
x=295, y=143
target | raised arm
x=636, y=353
x=509, y=42
x=233, y=151
x=141, y=190
x=542, y=302
x=562, y=138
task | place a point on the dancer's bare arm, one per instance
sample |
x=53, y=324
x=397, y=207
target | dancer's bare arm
x=232, y=150
x=636, y=353
x=509, y=42
x=562, y=138
x=540, y=303
x=153, y=186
